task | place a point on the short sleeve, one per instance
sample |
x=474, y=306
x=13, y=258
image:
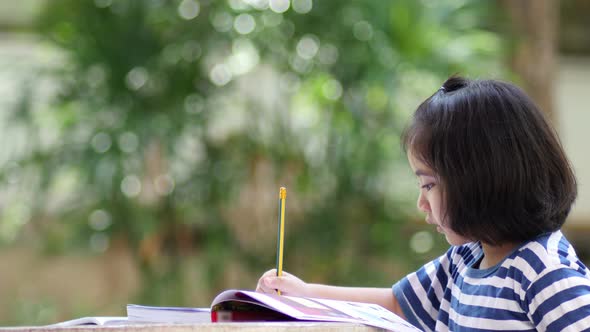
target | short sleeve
x=420, y=293
x=558, y=299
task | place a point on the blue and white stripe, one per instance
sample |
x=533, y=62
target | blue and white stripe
x=542, y=285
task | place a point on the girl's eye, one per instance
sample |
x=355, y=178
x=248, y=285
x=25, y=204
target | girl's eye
x=428, y=186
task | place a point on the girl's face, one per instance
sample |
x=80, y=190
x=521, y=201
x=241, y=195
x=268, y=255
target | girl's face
x=430, y=200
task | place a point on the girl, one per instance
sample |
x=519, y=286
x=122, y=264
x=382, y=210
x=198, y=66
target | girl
x=495, y=181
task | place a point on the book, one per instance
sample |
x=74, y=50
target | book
x=99, y=320
x=156, y=314
x=242, y=305
x=249, y=306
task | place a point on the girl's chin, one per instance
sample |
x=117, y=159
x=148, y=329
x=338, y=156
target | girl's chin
x=439, y=229
x=456, y=240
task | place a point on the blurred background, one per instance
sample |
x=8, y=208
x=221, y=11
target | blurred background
x=144, y=142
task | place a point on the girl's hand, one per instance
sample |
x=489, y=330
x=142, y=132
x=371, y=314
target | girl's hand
x=288, y=284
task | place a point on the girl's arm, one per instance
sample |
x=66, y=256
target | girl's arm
x=289, y=284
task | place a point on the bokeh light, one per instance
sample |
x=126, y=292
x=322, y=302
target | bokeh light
x=99, y=220
x=189, y=9
x=220, y=74
x=308, y=46
x=136, y=78
x=131, y=186
x=421, y=242
x=101, y=142
x=279, y=6
x=302, y=6
x=244, y=24
x=128, y=142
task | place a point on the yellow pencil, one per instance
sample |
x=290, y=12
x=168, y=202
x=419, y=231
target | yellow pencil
x=281, y=232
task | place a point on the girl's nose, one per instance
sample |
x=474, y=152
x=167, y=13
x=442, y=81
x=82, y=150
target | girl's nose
x=422, y=204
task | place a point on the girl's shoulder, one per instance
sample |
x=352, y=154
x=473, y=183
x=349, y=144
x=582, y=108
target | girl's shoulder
x=546, y=253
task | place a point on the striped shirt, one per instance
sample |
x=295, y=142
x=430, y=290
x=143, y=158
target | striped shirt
x=542, y=285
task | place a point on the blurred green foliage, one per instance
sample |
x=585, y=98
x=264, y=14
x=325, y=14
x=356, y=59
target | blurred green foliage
x=172, y=124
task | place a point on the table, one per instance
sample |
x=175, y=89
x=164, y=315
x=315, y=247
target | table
x=201, y=327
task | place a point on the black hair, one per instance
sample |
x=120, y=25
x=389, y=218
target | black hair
x=504, y=174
